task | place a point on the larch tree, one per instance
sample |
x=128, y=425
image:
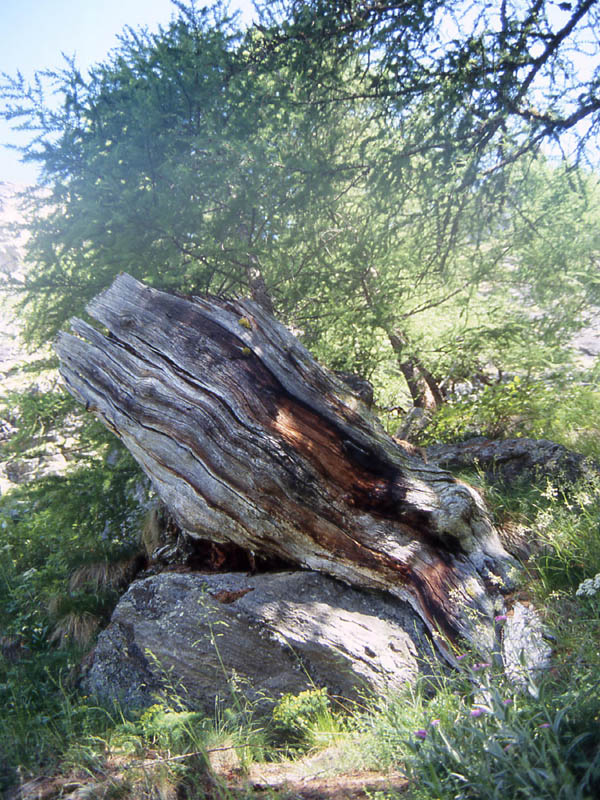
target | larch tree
x=284, y=164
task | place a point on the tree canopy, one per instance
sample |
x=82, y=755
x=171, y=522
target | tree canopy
x=519, y=69
x=367, y=170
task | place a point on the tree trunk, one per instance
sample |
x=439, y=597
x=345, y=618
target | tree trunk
x=247, y=439
x=424, y=389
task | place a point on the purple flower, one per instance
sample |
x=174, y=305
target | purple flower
x=481, y=665
x=460, y=658
x=477, y=712
x=500, y=618
x=421, y=734
x=435, y=723
x=507, y=702
x=544, y=725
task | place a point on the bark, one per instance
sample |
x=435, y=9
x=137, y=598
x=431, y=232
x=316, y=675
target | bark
x=424, y=389
x=247, y=439
x=258, y=287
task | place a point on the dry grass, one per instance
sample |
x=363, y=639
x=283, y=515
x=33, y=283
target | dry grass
x=104, y=574
x=76, y=627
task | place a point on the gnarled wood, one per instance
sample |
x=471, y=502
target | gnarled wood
x=248, y=439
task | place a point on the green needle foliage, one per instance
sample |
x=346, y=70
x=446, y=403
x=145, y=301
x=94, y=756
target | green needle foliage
x=198, y=160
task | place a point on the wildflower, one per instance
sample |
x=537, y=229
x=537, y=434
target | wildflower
x=481, y=665
x=421, y=734
x=460, y=658
x=477, y=712
x=507, y=701
x=589, y=587
x=435, y=723
x=500, y=618
x=544, y=725
x=584, y=499
x=544, y=520
x=550, y=492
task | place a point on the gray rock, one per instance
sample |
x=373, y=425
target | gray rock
x=261, y=636
x=511, y=460
x=586, y=342
x=525, y=651
x=19, y=470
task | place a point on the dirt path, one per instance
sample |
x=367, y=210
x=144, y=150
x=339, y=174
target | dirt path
x=315, y=777
x=322, y=776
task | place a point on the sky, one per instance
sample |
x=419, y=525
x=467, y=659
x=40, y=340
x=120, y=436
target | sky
x=35, y=33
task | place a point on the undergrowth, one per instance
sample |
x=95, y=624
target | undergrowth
x=478, y=737
x=67, y=547
x=564, y=411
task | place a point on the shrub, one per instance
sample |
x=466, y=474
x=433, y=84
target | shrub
x=296, y=718
x=523, y=408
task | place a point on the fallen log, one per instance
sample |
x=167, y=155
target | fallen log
x=247, y=439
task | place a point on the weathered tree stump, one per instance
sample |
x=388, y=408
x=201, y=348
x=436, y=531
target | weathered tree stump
x=248, y=439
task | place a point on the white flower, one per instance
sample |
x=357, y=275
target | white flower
x=544, y=520
x=589, y=587
x=550, y=492
x=583, y=499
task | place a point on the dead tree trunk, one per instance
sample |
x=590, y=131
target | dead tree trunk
x=249, y=440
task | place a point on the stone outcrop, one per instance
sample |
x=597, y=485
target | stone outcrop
x=511, y=460
x=202, y=637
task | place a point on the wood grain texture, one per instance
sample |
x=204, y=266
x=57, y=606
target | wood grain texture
x=248, y=439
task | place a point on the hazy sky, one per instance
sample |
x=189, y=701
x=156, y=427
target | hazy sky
x=34, y=33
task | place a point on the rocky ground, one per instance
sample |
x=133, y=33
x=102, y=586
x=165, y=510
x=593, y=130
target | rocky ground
x=52, y=453
x=587, y=341
x=11, y=268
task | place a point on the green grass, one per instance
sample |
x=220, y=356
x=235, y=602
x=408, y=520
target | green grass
x=568, y=527
x=41, y=717
x=473, y=734
x=468, y=735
